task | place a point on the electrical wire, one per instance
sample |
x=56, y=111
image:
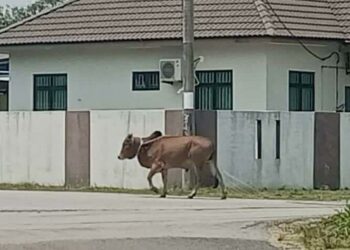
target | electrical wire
x=299, y=41
x=309, y=50
x=195, y=64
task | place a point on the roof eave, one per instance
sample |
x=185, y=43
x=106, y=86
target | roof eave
x=170, y=39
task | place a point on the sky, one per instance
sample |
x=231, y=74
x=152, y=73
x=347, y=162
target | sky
x=16, y=2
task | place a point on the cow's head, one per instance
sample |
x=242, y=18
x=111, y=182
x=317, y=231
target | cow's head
x=130, y=147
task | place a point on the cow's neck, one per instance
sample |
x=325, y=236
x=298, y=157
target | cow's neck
x=142, y=155
x=140, y=142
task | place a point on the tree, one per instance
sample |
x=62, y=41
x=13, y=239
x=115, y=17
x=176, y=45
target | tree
x=12, y=15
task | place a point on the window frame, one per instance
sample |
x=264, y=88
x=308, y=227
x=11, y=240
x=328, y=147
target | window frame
x=214, y=99
x=50, y=89
x=300, y=88
x=133, y=79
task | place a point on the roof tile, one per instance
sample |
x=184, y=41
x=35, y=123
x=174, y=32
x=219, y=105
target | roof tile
x=120, y=20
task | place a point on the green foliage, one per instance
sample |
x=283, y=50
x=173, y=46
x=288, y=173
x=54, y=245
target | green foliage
x=12, y=15
x=328, y=233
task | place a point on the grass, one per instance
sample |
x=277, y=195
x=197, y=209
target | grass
x=284, y=194
x=328, y=233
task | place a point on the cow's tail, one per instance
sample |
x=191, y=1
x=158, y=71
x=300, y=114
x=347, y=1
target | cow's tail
x=213, y=170
x=216, y=183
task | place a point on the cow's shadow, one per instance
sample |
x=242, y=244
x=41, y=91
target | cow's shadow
x=174, y=197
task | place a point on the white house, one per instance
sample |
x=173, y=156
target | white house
x=89, y=55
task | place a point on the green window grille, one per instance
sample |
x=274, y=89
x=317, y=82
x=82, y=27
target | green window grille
x=3, y=95
x=301, y=91
x=214, y=91
x=50, y=92
x=4, y=67
x=145, y=80
x=347, y=99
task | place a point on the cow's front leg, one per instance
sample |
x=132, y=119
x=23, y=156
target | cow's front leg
x=165, y=183
x=196, y=184
x=151, y=173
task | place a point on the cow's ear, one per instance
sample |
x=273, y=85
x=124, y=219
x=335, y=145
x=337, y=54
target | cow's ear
x=158, y=133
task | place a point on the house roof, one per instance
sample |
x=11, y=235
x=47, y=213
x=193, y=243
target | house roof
x=341, y=9
x=125, y=20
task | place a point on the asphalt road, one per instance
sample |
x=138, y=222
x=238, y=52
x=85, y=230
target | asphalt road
x=55, y=220
x=149, y=243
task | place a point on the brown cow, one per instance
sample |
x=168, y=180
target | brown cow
x=160, y=153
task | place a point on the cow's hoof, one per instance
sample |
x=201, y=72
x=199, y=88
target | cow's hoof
x=224, y=197
x=154, y=189
x=191, y=196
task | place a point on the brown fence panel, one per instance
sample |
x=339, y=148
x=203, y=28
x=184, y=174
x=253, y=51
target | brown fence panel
x=206, y=125
x=327, y=151
x=78, y=149
x=173, y=126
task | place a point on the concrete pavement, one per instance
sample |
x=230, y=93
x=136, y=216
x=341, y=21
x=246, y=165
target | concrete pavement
x=57, y=220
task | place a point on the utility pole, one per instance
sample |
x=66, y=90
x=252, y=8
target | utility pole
x=188, y=78
x=188, y=70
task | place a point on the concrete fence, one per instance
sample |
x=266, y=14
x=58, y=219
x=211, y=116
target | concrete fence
x=32, y=147
x=287, y=161
x=345, y=150
x=108, y=130
x=257, y=149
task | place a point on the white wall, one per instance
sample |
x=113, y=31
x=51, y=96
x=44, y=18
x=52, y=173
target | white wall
x=105, y=70
x=108, y=130
x=247, y=59
x=285, y=56
x=32, y=147
x=344, y=150
x=237, y=149
x=100, y=75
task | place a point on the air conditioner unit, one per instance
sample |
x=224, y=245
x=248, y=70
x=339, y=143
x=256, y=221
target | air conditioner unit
x=170, y=70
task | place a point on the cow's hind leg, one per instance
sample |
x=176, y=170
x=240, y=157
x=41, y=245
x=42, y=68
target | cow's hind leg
x=196, y=182
x=151, y=173
x=218, y=175
x=165, y=183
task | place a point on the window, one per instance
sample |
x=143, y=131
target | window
x=258, y=139
x=4, y=67
x=145, y=80
x=301, y=91
x=3, y=95
x=278, y=139
x=214, y=91
x=50, y=92
x=347, y=99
